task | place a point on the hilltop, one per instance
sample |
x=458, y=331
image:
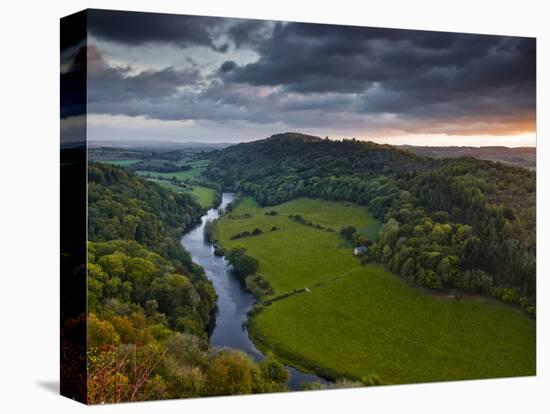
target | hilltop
x=310, y=156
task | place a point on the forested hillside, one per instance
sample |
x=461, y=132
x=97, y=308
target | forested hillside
x=149, y=305
x=279, y=168
x=454, y=223
x=124, y=206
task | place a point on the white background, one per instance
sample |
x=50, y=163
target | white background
x=29, y=203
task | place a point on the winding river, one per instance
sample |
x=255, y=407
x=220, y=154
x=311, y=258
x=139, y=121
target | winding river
x=234, y=301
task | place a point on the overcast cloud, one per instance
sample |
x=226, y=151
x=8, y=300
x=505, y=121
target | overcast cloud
x=234, y=78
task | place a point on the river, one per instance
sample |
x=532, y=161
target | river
x=234, y=301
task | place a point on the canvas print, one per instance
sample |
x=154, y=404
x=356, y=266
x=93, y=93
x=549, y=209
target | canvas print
x=254, y=206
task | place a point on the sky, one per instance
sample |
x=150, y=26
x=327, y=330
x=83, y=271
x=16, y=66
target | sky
x=190, y=78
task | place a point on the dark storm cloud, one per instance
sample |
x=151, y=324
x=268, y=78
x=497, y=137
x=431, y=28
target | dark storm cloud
x=166, y=94
x=249, y=32
x=117, y=84
x=412, y=74
x=228, y=66
x=319, y=58
x=310, y=75
x=134, y=28
x=120, y=84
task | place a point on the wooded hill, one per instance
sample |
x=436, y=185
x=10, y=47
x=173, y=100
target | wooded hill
x=449, y=223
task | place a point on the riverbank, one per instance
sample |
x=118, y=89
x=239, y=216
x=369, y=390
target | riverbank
x=234, y=302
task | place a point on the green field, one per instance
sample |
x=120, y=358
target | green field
x=120, y=163
x=197, y=169
x=204, y=195
x=358, y=320
x=296, y=255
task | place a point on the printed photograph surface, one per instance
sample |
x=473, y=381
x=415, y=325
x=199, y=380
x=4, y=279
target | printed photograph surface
x=281, y=206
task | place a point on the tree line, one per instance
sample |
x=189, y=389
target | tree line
x=161, y=166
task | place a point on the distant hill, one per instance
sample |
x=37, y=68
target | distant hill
x=312, y=156
x=519, y=157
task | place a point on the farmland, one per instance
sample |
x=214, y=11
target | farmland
x=197, y=168
x=357, y=321
x=295, y=255
x=204, y=195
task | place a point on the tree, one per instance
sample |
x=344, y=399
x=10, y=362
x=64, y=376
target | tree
x=390, y=232
x=440, y=217
x=449, y=271
x=173, y=291
x=140, y=273
x=359, y=240
x=386, y=253
x=273, y=376
x=209, y=231
x=408, y=269
x=242, y=264
x=138, y=235
x=347, y=232
x=101, y=332
x=230, y=373
x=432, y=281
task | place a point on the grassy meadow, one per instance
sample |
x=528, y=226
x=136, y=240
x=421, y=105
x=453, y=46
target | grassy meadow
x=358, y=321
x=296, y=255
x=204, y=195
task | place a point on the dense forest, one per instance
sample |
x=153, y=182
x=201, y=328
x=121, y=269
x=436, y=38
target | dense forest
x=461, y=224
x=122, y=205
x=149, y=305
